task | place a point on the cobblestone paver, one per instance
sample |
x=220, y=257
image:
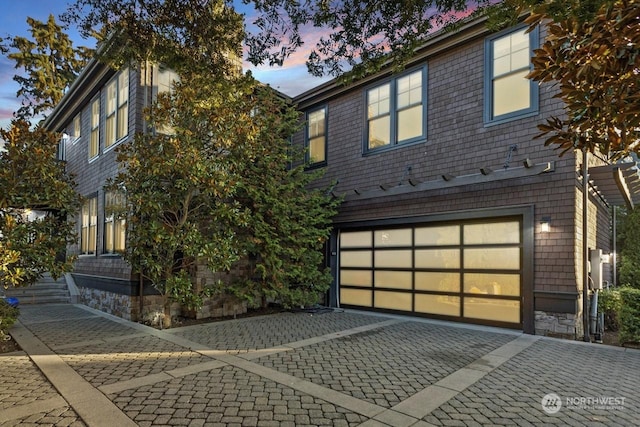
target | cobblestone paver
x=228, y=396
x=21, y=382
x=107, y=363
x=271, y=331
x=51, y=313
x=70, y=331
x=385, y=366
x=58, y=417
x=512, y=394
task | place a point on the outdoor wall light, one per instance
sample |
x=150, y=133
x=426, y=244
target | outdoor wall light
x=545, y=224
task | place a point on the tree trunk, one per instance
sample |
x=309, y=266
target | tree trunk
x=166, y=318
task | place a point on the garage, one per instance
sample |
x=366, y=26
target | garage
x=465, y=270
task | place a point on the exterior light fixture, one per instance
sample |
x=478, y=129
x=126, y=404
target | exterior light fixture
x=545, y=224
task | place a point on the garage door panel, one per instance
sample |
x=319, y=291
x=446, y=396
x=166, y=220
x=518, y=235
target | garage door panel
x=356, y=259
x=398, y=237
x=394, y=300
x=492, y=258
x=437, y=235
x=492, y=284
x=393, y=259
x=438, y=258
x=393, y=279
x=437, y=281
x=356, y=278
x=492, y=233
x=492, y=309
x=443, y=305
x=358, y=297
x=356, y=239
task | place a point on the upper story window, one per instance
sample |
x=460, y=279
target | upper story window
x=508, y=93
x=95, y=128
x=115, y=224
x=76, y=128
x=396, y=111
x=316, y=141
x=89, y=226
x=117, y=114
x=165, y=79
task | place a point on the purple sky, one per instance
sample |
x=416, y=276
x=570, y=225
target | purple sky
x=291, y=79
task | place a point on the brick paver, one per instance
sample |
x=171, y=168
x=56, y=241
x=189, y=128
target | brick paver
x=229, y=396
x=271, y=331
x=337, y=368
x=385, y=366
x=514, y=391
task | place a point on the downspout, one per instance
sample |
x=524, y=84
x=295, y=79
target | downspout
x=585, y=245
x=614, y=256
x=145, y=104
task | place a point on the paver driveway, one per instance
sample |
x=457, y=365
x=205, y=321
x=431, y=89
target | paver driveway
x=82, y=367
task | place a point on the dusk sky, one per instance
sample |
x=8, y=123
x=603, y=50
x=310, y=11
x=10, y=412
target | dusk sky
x=292, y=79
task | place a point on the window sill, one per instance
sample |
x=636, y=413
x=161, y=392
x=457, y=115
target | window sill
x=393, y=147
x=511, y=118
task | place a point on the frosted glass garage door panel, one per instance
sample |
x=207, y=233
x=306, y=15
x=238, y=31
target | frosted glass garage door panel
x=393, y=279
x=355, y=239
x=355, y=277
x=444, y=305
x=393, y=259
x=396, y=237
x=437, y=236
x=492, y=284
x=492, y=258
x=355, y=259
x=438, y=258
x=355, y=297
x=438, y=281
x=393, y=300
x=491, y=233
x=492, y=309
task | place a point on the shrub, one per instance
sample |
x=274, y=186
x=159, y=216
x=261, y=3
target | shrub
x=629, y=316
x=8, y=316
x=609, y=304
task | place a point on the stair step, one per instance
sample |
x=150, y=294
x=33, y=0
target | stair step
x=46, y=290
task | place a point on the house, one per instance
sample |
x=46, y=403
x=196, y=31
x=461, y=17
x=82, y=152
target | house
x=452, y=210
x=101, y=110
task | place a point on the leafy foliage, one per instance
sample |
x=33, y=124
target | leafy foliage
x=8, y=316
x=629, y=316
x=50, y=62
x=180, y=34
x=286, y=222
x=609, y=303
x=594, y=59
x=32, y=179
x=629, y=243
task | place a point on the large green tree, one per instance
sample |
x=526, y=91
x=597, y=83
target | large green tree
x=592, y=55
x=36, y=195
x=49, y=64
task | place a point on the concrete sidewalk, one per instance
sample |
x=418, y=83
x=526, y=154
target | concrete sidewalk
x=83, y=367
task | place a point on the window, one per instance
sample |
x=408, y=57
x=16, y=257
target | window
x=95, y=128
x=316, y=140
x=114, y=223
x=395, y=111
x=164, y=79
x=89, y=226
x=75, y=128
x=508, y=93
x=117, y=124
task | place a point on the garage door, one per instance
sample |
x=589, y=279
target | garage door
x=467, y=270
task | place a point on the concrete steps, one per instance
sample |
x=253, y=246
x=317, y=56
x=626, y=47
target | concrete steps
x=45, y=291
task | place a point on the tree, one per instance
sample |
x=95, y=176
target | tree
x=32, y=180
x=287, y=224
x=592, y=54
x=629, y=243
x=50, y=62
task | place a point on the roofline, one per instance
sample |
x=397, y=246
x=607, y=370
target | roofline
x=442, y=40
